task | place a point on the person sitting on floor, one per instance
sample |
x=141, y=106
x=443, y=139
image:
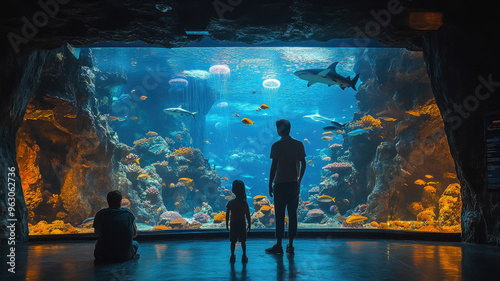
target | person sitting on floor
x=116, y=229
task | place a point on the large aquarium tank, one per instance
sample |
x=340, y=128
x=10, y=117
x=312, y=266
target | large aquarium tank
x=173, y=128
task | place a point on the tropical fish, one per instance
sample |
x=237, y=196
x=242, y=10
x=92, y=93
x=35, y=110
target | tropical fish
x=327, y=76
x=326, y=158
x=224, y=178
x=306, y=140
x=133, y=117
x=236, y=114
x=113, y=118
x=247, y=121
x=419, y=182
x=333, y=208
x=247, y=176
x=144, y=176
x=335, y=126
x=196, y=190
x=413, y=112
x=172, y=185
x=329, y=133
x=429, y=176
x=87, y=220
x=137, y=161
x=355, y=218
x=143, y=97
x=326, y=199
x=358, y=132
x=185, y=180
x=309, y=162
x=178, y=111
x=229, y=197
x=177, y=203
x=146, y=222
x=327, y=138
x=207, y=142
x=264, y=106
x=151, y=134
x=388, y=119
x=60, y=56
x=86, y=166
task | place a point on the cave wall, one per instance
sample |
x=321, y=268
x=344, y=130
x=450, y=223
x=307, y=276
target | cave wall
x=464, y=68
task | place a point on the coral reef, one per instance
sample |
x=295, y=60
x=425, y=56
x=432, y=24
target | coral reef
x=220, y=217
x=201, y=217
x=368, y=122
x=450, y=206
x=337, y=167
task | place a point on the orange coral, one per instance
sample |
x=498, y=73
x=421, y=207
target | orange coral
x=374, y=224
x=183, y=151
x=143, y=140
x=160, y=227
x=383, y=225
x=369, y=122
x=220, y=217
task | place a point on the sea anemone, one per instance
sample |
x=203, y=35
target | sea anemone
x=338, y=167
x=201, y=217
x=170, y=215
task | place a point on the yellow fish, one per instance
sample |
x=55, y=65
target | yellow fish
x=326, y=199
x=327, y=138
x=264, y=106
x=172, y=185
x=329, y=133
x=309, y=162
x=185, y=180
x=429, y=176
x=144, y=176
x=137, y=161
x=247, y=121
x=306, y=140
x=450, y=175
x=143, y=97
x=388, y=119
x=114, y=118
x=326, y=158
x=355, y=218
x=419, y=182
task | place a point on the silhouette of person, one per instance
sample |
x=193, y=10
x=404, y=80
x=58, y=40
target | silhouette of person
x=237, y=211
x=287, y=171
x=116, y=229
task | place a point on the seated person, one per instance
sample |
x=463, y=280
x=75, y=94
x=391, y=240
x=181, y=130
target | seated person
x=116, y=229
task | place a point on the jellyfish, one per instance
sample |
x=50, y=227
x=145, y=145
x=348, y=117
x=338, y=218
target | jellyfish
x=221, y=76
x=198, y=89
x=179, y=86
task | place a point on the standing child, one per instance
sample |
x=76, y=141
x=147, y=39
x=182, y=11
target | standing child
x=237, y=210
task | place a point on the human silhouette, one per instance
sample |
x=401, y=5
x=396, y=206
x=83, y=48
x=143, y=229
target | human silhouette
x=237, y=211
x=287, y=171
x=116, y=229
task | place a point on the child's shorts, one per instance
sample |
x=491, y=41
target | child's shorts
x=238, y=231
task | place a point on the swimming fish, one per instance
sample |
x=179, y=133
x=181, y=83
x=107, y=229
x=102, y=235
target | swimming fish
x=207, y=142
x=264, y=106
x=87, y=220
x=450, y=175
x=335, y=126
x=144, y=176
x=236, y=114
x=151, y=134
x=133, y=117
x=177, y=203
x=326, y=158
x=429, y=176
x=326, y=199
x=137, y=161
x=329, y=133
x=224, y=178
x=253, y=91
x=309, y=162
x=388, y=119
x=172, y=185
x=86, y=166
x=327, y=138
x=419, y=182
x=185, y=180
x=113, y=118
x=178, y=111
x=358, y=132
x=327, y=76
x=247, y=121
x=143, y=97
x=306, y=140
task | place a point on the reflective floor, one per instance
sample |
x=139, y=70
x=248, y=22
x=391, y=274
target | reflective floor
x=315, y=259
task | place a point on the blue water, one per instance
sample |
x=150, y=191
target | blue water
x=238, y=151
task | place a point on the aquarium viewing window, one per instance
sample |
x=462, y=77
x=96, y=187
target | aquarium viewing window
x=173, y=128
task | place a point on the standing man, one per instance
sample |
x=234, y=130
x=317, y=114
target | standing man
x=287, y=170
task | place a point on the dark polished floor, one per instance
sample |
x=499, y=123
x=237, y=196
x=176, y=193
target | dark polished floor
x=315, y=259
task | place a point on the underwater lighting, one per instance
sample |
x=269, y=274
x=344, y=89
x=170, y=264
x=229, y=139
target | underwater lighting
x=197, y=32
x=271, y=84
x=178, y=82
x=196, y=73
x=425, y=20
x=219, y=69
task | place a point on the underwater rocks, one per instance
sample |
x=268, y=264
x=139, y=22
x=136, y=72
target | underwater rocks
x=450, y=206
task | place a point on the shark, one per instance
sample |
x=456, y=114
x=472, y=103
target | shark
x=327, y=76
x=317, y=118
x=178, y=111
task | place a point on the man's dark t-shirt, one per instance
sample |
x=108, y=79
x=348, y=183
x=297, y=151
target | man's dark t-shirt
x=116, y=231
x=287, y=152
